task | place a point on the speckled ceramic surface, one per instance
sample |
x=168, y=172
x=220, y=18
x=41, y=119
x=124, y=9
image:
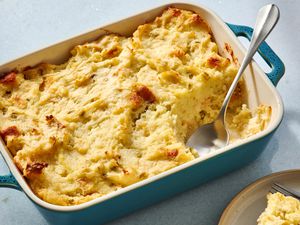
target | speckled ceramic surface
x=9, y=181
x=246, y=207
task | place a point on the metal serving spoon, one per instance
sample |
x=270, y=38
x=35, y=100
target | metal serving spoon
x=215, y=135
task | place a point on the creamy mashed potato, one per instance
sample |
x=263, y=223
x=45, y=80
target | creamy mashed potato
x=120, y=109
x=281, y=210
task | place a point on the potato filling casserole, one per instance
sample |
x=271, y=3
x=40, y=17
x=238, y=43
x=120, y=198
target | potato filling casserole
x=120, y=109
x=281, y=210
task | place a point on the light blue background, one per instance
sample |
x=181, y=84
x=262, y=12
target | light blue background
x=26, y=26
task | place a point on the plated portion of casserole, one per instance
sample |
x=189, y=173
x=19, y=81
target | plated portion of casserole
x=120, y=109
x=281, y=210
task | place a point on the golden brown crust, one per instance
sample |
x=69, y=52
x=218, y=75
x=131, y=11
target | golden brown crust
x=231, y=53
x=8, y=79
x=171, y=154
x=145, y=93
x=9, y=131
x=52, y=121
x=141, y=94
x=175, y=12
x=34, y=168
x=136, y=100
x=213, y=62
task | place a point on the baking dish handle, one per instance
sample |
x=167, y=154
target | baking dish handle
x=265, y=51
x=9, y=181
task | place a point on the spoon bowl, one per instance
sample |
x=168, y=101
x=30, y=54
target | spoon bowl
x=210, y=136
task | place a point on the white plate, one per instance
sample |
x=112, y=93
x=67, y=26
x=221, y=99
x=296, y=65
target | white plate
x=245, y=207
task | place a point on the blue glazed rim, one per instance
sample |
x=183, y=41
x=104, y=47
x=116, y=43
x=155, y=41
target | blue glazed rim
x=270, y=57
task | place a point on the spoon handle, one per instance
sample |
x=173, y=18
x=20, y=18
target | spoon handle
x=266, y=19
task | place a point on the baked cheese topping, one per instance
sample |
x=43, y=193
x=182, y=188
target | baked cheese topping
x=281, y=210
x=120, y=109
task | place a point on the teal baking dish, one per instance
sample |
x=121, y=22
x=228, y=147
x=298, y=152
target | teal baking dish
x=261, y=89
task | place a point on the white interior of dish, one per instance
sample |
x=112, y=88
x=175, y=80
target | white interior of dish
x=260, y=89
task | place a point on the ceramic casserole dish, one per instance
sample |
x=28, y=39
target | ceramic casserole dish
x=260, y=87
